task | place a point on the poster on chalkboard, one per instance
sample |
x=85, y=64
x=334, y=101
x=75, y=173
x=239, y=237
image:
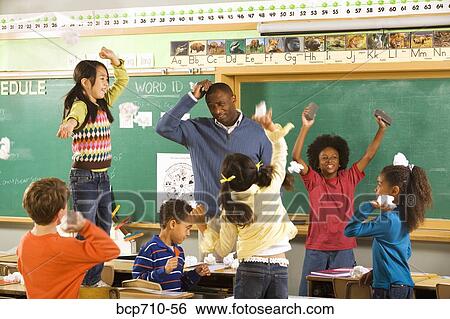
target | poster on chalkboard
x=175, y=178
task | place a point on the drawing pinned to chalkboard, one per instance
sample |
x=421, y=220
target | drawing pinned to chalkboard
x=5, y=148
x=127, y=112
x=175, y=178
x=143, y=119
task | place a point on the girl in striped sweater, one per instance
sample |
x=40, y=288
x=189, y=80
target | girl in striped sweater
x=87, y=119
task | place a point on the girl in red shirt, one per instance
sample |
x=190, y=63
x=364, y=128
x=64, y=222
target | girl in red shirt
x=331, y=186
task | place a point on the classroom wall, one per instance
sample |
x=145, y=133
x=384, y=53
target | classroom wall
x=53, y=53
x=427, y=256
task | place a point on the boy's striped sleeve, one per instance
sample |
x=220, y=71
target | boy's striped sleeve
x=148, y=267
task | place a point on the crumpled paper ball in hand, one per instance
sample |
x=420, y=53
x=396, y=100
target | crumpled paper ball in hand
x=228, y=260
x=295, y=167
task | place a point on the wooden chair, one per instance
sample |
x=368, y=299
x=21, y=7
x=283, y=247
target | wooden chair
x=108, y=274
x=99, y=293
x=4, y=270
x=443, y=291
x=339, y=287
x=139, y=283
x=356, y=290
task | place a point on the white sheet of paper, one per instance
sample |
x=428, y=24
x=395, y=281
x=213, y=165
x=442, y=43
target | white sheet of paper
x=175, y=178
x=216, y=267
x=144, y=119
x=126, y=121
x=5, y=148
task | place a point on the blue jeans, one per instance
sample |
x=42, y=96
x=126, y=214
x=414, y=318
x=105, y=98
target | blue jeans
x=255, y=280
x=316, y=260
x=395, y=292
x=91, y=194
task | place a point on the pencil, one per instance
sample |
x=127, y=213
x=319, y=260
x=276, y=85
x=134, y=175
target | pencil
x=115, y=211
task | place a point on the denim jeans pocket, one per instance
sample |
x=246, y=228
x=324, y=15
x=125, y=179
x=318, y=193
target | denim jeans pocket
x=80, y=176
x=80, y=179
x=249, y=284
x=400, y=292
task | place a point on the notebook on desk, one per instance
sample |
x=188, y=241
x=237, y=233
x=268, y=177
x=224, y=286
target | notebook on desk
x=4, y=283
x=150, y=292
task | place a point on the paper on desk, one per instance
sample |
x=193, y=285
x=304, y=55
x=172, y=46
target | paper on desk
x=151, y=291
x=216, y=267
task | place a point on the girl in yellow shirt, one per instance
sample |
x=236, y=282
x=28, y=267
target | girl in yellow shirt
x=253, y=217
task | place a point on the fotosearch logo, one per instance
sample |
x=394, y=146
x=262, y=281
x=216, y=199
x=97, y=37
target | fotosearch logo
x=336, y=207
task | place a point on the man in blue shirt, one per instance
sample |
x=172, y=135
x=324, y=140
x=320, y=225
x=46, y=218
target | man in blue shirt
x=209, y=140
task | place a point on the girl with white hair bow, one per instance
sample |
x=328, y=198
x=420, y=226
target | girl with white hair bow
x=404, y=195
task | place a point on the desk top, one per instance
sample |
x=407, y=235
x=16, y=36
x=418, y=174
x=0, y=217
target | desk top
x=13, y=289
x=145, y=293
x=121, y=265
x=415, y=277
x=8, y=258
x=126, y=266
x=431, y=283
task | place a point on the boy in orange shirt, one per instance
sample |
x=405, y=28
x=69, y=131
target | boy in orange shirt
x=53, y=266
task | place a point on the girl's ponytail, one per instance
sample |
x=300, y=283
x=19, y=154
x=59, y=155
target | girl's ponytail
x=239, y=214
x=264, y=176
x=420, y=199
x=71, y=97
x=415, y=192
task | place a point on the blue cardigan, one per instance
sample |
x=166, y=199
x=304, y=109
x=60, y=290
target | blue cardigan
x=391, y=246
x=208, y=144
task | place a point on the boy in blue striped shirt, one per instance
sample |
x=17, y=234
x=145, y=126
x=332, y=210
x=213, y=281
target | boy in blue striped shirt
x=161, y=259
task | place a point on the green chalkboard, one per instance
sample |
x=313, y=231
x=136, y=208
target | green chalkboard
x=30, y=113
x=420, y=109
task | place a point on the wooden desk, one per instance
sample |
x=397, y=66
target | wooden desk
x=225, y=272
x=219, y=285
x=426, y=289
x=430, y=284
x=323, y=286
x=144, y=293
x=126, y=266
x=121, y=265
x=13, y=290
x=8, y=259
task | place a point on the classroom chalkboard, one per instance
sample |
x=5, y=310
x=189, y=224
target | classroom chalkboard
x=30, y=113
x=420, y=109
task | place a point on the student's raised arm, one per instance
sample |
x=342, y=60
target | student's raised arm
x=299, y=143
x=170, y=125
x=373, y=147
x=276, y=133
x=120, y=76
x=96, y=247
